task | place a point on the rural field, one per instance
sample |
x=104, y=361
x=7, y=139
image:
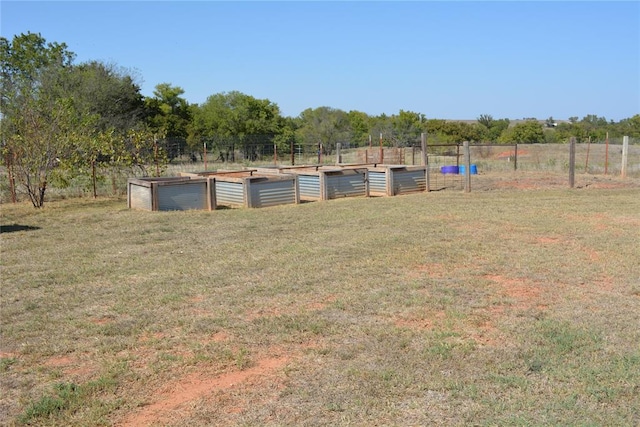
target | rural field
x=516, y=304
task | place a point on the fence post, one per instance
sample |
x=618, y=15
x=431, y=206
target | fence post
x=572, y=161
x=625, y=155
x=381, y=158
x=515, y=158
x=204, y=152
x=586, y=163
x=338, y=155
x=425, y=158
x=606, y=154
x=293, y=154
x=467, y=162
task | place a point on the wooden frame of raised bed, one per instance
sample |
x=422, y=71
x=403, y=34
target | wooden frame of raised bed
x=170, y=194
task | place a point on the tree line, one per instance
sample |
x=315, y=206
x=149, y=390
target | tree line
x=62, y=121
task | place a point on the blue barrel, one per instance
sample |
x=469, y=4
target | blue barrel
x=472, y=168
x=449, y=170
x=462, y=169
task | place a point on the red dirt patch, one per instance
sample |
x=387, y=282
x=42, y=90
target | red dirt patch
x=71, y=366
x=59, y=361
x=525, y=294
x=195, y=386
x=546, y=240
x=220, y=336
x=512, y=153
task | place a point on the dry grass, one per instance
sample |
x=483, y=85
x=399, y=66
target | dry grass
x=491, y=308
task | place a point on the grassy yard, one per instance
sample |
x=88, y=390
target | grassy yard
x=502, y=307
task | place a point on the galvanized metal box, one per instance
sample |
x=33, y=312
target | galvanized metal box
x=392, y=180
x=247, y=188
x=325, y=182
x=172, y=193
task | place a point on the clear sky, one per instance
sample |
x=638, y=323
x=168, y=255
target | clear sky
x=448, y=60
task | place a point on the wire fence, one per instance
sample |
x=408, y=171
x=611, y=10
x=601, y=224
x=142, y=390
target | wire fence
x=596, y=158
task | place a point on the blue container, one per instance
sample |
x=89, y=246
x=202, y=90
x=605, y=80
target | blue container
x=449, y=170
x=472, y=168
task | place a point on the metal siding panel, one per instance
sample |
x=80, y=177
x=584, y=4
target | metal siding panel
x=230, y=193
x=140, y=197
x=409, y=181
x=378, y=182
x=272, y=193
x=182, y=197
x=309, y=186
x=345, y=185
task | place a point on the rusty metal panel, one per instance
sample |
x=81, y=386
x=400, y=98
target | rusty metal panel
x=230, y=193
x=182, y=196
x=408, y=181
x=347, y=183
x=378, y=182
x=309, y=187
x=266, y=193
x=139, y=196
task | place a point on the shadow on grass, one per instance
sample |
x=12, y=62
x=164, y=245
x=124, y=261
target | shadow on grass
x=16, y=227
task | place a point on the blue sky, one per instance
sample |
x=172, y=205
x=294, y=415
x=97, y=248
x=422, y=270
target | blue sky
x=449, y=60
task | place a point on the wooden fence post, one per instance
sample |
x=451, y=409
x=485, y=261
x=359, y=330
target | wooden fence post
x=586, y=163
x=467, y=162
x=606, y=154
x=204, y=152
x=572, y=161
x=425, y=158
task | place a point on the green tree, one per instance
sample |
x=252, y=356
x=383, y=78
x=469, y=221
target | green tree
x=452, y=132
x=630, y=126
x=527, y=132
x=109, y=92
x=38, y=125
x=382, y=125
x=486, y=120
x=287, y=135
x=490, y=129
x=324, y=127
x=407, y=127
x=169, y=116
x=360, y=124
x=229, y=120
x=111, y=105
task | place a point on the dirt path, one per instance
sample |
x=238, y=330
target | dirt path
x=195, y=386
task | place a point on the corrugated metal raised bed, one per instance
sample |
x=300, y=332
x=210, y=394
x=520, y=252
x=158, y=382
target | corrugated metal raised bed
x=170, y=194
x=247, y=188
x=324, y=182
x=392, y=180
